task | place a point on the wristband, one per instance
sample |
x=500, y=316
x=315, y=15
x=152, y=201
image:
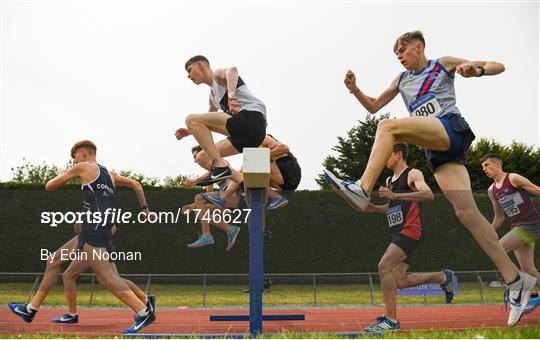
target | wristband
x=144, y=207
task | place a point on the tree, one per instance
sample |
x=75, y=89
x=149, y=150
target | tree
x=174, y=182
x=145, y=181
x=34, y=174
x=517, y=157
x=353, y=151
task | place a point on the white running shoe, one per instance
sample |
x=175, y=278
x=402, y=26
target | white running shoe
x=518, y=296
x=350, y=191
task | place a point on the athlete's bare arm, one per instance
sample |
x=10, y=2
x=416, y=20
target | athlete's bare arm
x=416, y=182
x=469, y=69
x=276, y=148
x=212, y=107
x=123, y=181
x=381, y=209
x=84, y=171
x=498, y=214
x=229, y=77
x=522, y=182
x=373, y=105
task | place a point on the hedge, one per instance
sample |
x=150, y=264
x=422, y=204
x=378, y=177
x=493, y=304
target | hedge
x=316, y=232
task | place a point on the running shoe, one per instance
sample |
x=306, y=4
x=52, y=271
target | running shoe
x=383, y=324
x=448, y=285
x=67, y=318
x=534, y=302
x=214, y=199
x=21, y=310
x=217, y=174
x=518, y=296
x=204, y=240
x=276, y=203
x=140, y=322
x=231, y=237
x=348, y=190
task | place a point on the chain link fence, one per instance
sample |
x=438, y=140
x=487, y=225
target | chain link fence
x=231, y=290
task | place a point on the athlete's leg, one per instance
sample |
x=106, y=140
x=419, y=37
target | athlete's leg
x=111, y=281
x=276, y=178
x=391, y=258
x=406, y=280
x=453, y=179
x=51, y=272
x=219, y=223
x=136, y=290
x=201, y=127
x=426, y=132
x=69, y=278
x=200, y=203
x=525, y=257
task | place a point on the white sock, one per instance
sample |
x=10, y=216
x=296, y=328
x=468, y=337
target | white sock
x=72, y=314
x=30, y=308
x=142, y=312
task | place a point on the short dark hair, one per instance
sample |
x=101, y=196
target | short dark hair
x=403, y=148
x=491, y=155
x=196, y=59
x=86, y=144
x=408, y=37
x=196, y=148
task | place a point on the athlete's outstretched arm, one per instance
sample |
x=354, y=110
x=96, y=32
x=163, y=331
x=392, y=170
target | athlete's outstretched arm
x=65, y=176
x=498, y=214
x=123, y=181
x=373, y=105
x=522, y=182
x=469, y=69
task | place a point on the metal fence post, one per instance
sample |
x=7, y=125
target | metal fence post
x=148, y=285
x=314, y=290
x=33, y=289
x=481, y=287
x=91, y=290
x=204, y=291
x=371, y=290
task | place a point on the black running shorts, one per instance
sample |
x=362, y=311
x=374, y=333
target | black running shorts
x=407, y=244
x=290, y=171
x=247, y=129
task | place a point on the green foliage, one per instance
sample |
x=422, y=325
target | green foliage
x=144, y=180
x=34, y=174
x=174, y=182
x=353, y=151
x=30, y=176
x=517, y=157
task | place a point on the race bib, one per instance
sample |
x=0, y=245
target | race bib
x=394, y=216
x=510, y=204
x=424, y=106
